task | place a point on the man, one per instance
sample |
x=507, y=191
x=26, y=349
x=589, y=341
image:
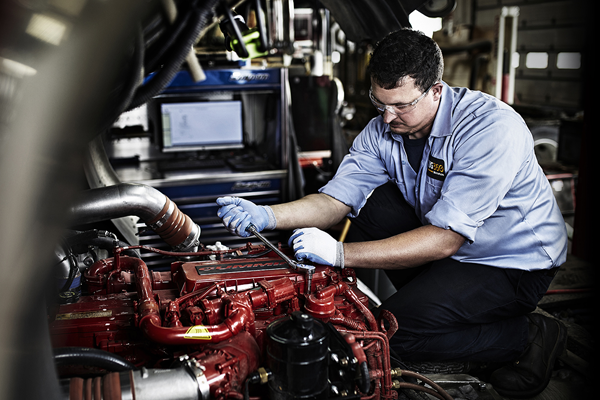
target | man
x=445, y=194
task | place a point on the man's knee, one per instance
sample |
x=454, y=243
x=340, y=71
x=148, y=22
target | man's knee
x=385, y=214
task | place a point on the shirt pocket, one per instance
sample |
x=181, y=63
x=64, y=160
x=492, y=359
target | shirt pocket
x=433, y=187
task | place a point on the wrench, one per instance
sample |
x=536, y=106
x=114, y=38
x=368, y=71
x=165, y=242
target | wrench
x=309, y=269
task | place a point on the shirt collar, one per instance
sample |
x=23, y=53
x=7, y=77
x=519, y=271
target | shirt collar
x=443, y=120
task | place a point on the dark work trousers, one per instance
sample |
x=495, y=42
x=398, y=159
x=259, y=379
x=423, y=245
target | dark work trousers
x=448, y=310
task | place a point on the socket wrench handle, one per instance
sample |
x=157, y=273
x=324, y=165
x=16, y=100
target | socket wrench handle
x=252, y=229
x=308, y=269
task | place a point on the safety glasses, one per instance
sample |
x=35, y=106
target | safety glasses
x=396, y=109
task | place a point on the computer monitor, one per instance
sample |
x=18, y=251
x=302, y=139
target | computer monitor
x=200, y=125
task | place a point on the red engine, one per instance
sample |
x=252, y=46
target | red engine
x=216, y=328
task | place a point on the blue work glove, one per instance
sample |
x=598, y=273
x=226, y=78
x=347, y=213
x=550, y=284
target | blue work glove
x=317, y=246
x=238, y=213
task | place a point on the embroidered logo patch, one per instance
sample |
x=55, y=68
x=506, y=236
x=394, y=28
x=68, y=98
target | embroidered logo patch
x=436, y=168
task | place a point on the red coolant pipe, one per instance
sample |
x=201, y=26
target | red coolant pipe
x=150, y=321
x=379, y=361
x=321, y=304
x=239, y=315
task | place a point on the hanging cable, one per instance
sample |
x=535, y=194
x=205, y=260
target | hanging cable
x=199, y=20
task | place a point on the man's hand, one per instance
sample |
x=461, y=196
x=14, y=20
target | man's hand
x=238, y=213
x=317, y=246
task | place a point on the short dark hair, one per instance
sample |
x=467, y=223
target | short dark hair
x=403, y=53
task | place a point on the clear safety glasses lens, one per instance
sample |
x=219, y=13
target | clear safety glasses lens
x=395, y=109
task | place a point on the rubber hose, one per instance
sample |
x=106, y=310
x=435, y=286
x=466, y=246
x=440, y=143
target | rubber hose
x=261, y=25
x=198, y=21
x=158, y=50
x=132, y=82
x=108, y=243
x=428, y=381
x=72, y=273
x=365, y=382
x=91, y=357
x=154, y=28
x=413, y=394
x=103, y=242
x=176, y=57
x=136, y=73
x=163, y=76
x=247, y=389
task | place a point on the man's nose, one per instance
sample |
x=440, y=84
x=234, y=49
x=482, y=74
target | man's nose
x=388, y=116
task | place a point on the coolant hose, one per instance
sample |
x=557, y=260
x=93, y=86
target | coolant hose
x=194, y=335
x=91, y=357
x=353, y=298
x=150, y=319
x=365, y=382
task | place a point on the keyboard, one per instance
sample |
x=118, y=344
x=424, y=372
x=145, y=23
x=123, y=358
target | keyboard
x=190, y=164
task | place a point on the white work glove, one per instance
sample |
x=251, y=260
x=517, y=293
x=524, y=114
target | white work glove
x=317, y=246
x=237, y=214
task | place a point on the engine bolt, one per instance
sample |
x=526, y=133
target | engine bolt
x=334, y=390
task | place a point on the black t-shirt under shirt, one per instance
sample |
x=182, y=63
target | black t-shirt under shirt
x=414, y=151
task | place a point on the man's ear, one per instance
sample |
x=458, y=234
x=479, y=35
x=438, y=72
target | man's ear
x=437, y=91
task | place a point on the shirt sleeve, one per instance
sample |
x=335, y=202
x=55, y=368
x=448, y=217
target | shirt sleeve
x=485, y=163
x=361, y=171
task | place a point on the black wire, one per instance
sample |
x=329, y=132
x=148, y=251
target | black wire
x=261, y=25
x=199, y=19
x=156, y=52
x=247, y=389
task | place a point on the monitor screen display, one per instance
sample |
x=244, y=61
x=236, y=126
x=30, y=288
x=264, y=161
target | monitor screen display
x=201, y=125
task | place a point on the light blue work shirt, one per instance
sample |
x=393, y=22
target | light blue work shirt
x=478, y=176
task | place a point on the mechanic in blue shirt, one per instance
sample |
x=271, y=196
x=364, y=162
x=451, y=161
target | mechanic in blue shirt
x=445, y=194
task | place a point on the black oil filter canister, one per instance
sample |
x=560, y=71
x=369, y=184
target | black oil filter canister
x=297, y=350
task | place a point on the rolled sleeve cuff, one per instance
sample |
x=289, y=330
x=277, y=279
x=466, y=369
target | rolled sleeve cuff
x=341, y=193
x=445, y=215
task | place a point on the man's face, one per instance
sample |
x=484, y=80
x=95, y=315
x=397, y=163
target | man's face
x=417, y=122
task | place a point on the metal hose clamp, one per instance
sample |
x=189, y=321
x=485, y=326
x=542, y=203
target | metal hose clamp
x=197, y=371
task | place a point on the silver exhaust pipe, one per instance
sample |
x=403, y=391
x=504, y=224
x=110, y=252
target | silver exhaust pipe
x=151, y=206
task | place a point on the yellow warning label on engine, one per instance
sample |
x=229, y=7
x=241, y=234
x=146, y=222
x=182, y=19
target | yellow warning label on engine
x=198, y=332
x=81, y=315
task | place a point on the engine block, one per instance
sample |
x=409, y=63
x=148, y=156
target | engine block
x=236, y=317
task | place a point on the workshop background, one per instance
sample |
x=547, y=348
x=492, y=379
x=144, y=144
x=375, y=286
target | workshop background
x=105, y=94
